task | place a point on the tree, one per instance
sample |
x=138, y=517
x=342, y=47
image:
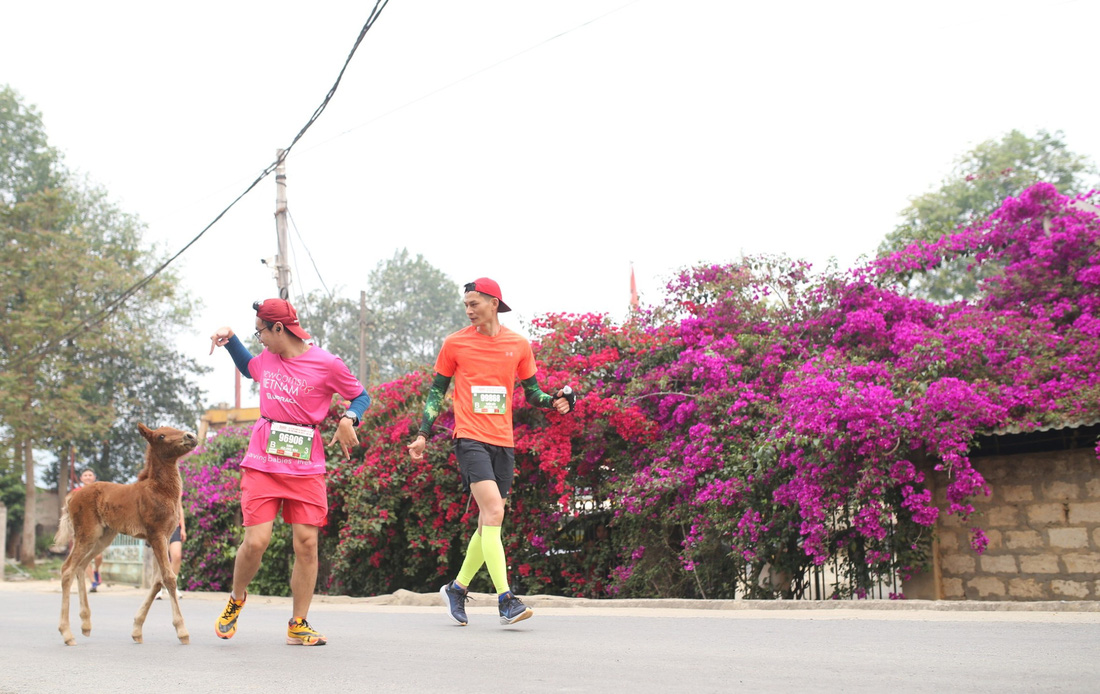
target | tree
x=12, y=491
x=411, y=307
x=35, y=309
x=73, y=374
x=27, y=162
x=154, y=396
x=414, y=306
x=333, y=323
x=981, y=180
x=140, y=376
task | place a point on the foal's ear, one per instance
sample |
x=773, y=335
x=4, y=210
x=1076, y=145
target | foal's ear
x=146, y=432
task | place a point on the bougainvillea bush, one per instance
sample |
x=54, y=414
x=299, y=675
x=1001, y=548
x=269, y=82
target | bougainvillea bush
x=400, y=523
x=762, y=420
x=799, y=413
x=393, y=522
x=212, y=508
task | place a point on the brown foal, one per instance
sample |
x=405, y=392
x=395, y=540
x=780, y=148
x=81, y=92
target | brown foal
x=94, y=514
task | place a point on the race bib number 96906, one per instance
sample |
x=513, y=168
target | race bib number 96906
x=290, y=440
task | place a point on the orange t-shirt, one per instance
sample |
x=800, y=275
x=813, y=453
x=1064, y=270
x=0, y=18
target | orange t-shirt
x=484, y=370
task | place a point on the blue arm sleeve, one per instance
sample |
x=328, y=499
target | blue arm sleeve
x=241, y=355
x=360, y=404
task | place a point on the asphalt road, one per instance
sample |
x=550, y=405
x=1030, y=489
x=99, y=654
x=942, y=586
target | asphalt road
x=389, y=648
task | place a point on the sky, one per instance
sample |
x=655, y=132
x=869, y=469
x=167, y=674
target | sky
x=552, y=146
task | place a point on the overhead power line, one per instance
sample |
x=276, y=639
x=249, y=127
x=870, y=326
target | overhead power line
x=308, y=253
x=473, y=74
x=116, y=303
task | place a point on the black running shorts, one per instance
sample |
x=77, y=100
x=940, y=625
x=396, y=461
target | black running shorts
x=479, y=461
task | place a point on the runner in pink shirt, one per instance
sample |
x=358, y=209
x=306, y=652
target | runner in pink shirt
x=285, y=462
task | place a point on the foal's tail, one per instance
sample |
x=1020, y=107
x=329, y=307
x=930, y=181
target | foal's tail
x=65, y=527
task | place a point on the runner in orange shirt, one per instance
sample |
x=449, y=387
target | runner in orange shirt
x=484, y=360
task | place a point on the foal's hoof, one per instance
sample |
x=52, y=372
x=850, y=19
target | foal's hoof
x=137, y=638
x=86, y=632
x=185, y=639
x=70, y=641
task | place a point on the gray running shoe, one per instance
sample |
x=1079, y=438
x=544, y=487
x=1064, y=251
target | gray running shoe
x=455, y=599
x=512, y=610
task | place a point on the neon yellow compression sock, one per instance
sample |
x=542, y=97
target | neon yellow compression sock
x=493, y=549
x=473, y=561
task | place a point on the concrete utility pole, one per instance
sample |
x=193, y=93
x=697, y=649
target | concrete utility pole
x=282, y=265
x=3, y=537
x=363, y=337
x=26, y=551
x=64, y=476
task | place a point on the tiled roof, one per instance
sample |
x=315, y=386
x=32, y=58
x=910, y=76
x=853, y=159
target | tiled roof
x=1065, y=424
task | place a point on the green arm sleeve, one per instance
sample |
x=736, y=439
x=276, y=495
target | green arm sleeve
x=440, y=384
x=535, y=395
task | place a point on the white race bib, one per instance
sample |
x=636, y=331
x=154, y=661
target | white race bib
x=290, y=441
x=489, y=399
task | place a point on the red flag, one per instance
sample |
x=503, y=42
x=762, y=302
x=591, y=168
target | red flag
x=633, y=291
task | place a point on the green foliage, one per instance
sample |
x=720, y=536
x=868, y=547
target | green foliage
x=28, y=164
x=46, y=569
x=410, y=306
x=152, y=384
x=414, y=305
x=75, y=377
x=333, y=323
x=980, y=180
x=12, y=491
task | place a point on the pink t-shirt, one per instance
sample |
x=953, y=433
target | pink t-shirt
x=296, y=391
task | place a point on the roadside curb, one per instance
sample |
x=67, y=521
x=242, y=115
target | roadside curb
x=405, y=598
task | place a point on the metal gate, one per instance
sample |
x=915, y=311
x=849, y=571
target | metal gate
x=124, y=559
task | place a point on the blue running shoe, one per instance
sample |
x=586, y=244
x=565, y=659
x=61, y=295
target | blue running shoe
x=455, y=599
x=512, y=610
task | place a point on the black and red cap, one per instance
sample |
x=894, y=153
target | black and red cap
x=280, y=311
x=488, y=287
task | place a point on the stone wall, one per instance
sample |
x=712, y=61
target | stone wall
x=1043, y=524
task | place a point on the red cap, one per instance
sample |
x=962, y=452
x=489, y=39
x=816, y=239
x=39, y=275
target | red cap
x=489, y=288
x=280, y=311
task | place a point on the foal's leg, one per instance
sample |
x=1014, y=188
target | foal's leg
x=169, y=580
x=159, y=545
x=139, y=618
x=82, y=594
x=94, y=547
x=70, y=566
x=143, y=611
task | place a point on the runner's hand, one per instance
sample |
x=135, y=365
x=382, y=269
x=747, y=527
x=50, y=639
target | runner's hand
x=345, y=434
x=220, y=338
x=561, y=403
x=416, y=448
